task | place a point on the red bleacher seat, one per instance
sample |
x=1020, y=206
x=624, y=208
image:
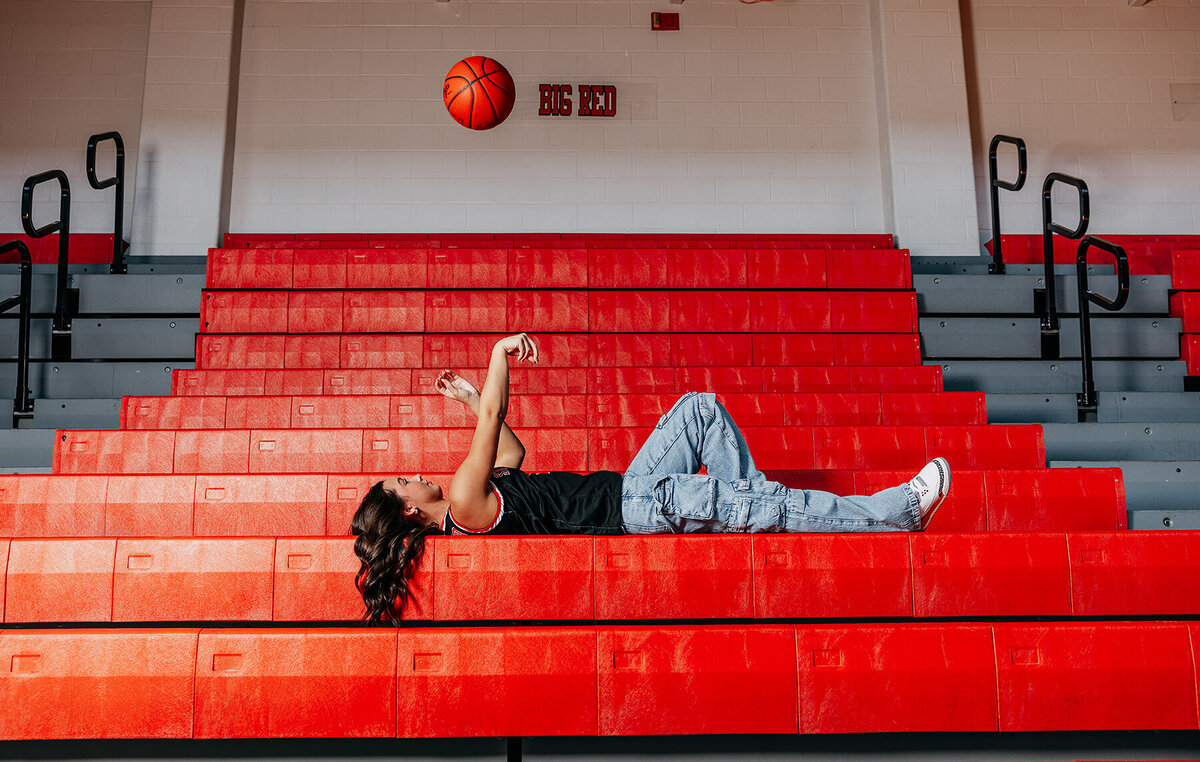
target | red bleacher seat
x=157, y=505
x=1126, y=677
x=545, y=410
x=44, y=506
x=810, y=576
x=881, y=678
x=310, y=683
x=1003, y=500
x=54, y=580
x=991, y=575
x=69, y=684
x=234, y=351
x=485, y=681
x=685, y=679
x=255, y=504
x=410, y=311
x=621, y=680
x=814, y=379
x=283, y=264
x=1185, y=269
x=192, y=579
x=440, y=450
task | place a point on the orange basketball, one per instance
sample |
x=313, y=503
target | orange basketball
x=479, y=92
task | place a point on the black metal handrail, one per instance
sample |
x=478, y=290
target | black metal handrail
x=1087, y=400
x=118, y=180
x=1050, y=345
x=60, y=342
x=996, y=185
x=23, y=402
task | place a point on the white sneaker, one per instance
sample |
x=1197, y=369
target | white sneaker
x=931, y=484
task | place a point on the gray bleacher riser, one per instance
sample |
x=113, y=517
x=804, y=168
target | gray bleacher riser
x=26, y=448
x=141, y=265
x=1060, y=376
x=1122, y=441
x=91, y=380
x=134, y=338
x=979, y=266
x=1031, y=408
x=139, y=294
x=1113, y=407
x=77, y=413
x=172, y=294
x=41, y=293
x=1015, y=337
x=109, y=338
x=1150, y=486
x=1013, y=294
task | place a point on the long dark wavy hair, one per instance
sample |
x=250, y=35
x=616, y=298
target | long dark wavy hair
x=389, y=545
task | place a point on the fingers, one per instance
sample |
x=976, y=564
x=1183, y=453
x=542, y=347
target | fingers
x=444, y=383
x=526, y=349
x=520, y=345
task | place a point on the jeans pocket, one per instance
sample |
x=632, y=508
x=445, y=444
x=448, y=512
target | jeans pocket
x=688, y=497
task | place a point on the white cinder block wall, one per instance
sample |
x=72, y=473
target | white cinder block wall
x=68, y=70
x=177, y=206
x=1089, y=86
x=921, y=82
x=751, y=118
x=777, y=116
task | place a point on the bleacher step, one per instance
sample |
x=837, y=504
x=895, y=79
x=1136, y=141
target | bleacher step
x=22, y=450
x=1114, y=407
x=109, y=338
x=1060, y=376
x=1122, y=441
x=104, y=413
x=1020, y=337
x=132, y=293
x=978, y=265
x=174, y=294
x=84, y=379
x=1013, y=294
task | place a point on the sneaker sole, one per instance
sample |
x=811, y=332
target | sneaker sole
x=944, y=492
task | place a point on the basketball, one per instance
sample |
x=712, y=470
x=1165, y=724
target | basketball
x=479, y=92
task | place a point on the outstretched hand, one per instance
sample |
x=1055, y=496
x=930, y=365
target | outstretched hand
x=455, y=387
x=520, y=345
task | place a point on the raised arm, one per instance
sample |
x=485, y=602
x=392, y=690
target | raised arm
x=509, y=451
x=474, y=504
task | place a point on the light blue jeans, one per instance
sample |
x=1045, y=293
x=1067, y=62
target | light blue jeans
x=661, y=491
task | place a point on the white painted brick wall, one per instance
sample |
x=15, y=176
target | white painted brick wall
x=752, y=118
x=177, y=204
x=70, y=70
x=920, y=73
x=1088, y=86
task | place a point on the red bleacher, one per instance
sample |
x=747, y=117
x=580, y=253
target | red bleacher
x=230, y=501
x=256, y=578
x=1185, y=303
x=1148, y=254
x=117, y=505
x=84, y=249
x=615, y=680
x=440, y=450
x=629, y=350
x=546, y=410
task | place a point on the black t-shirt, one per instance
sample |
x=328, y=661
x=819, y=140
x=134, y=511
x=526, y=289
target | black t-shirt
x=557, y=502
